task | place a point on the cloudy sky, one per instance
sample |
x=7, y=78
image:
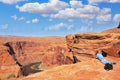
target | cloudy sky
x=57, y=17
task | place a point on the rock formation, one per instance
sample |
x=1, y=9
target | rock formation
x=8, y=66
x=85, y=44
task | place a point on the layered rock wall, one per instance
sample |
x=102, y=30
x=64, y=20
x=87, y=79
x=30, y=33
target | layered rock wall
x=85, y=45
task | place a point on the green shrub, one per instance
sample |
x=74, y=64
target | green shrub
x=36, y=66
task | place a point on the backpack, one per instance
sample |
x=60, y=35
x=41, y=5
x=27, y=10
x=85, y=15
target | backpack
x=108, y=66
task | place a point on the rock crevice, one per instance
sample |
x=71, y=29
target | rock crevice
x=12, y=53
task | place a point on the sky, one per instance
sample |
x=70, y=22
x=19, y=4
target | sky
x=57, y=17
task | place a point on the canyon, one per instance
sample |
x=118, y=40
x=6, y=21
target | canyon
x=19, y=55
x=60, y=58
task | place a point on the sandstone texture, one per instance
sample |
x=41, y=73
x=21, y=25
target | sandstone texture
x=85, y=70
x=86, y=44
x=83, y=47
x=60, y=58
x=18, y=55
x=8, y=66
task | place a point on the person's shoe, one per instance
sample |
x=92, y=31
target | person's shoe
x=114, y=62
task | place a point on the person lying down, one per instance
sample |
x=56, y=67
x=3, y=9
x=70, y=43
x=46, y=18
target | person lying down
x=108, y=65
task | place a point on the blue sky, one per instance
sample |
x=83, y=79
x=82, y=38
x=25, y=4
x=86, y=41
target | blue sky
x=57, y=17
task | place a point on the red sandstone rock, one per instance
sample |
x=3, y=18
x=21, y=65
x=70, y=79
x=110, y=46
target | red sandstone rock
x=85, y=70
x=49, y=51
x=8, y=67
x=53, y=52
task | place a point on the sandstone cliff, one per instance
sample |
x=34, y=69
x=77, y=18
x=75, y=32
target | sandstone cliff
x=8, y=67
x=85, y=44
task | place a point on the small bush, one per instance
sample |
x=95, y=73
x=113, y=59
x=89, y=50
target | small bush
x=36, y=66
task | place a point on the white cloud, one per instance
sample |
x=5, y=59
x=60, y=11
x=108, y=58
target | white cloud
x=105, y=11
x=21, y=18
x=85, y=29
x=104, y=16
x=14, y=17
x=96, y=1
x=35, y=20
x=75, y=9
x=18, y=18
x=76, y=4
x=114, y=1
x=68, y=13
x=116, y=18
x=59, y=26
x=28, y=22
x=86, y=12
x=70, y=20
x=99, y=1
x=102, y=19
x=43, y=8
x=5, y=26
x=11, y=1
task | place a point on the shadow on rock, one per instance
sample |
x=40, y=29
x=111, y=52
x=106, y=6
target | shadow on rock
x=31, y=68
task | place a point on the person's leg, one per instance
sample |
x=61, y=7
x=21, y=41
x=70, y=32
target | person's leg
x=112, y=62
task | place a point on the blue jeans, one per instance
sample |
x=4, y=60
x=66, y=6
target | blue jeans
x=100, y=57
